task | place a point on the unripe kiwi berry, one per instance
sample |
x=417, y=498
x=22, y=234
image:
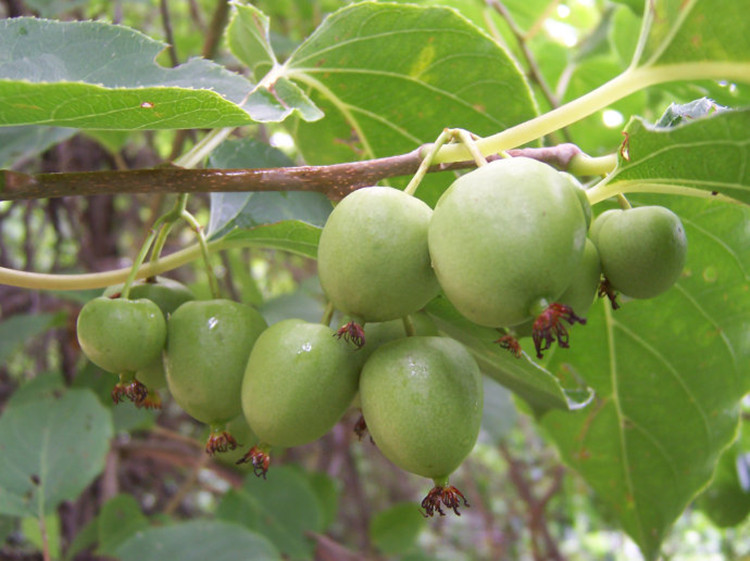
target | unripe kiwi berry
x=208, y=346
x=168, y=294
x=642, y=249
x=422, y=400
x=505, y=237
x=373, y=260
x=299, y=381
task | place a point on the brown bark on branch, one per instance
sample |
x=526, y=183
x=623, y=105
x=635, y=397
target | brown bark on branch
x=335, y=181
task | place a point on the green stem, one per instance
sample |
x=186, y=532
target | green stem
x=196, y=226
x=409, y=327
x=426, y=162
x=125, y=293
x=630, y=81
x=327, y=314
x=203, y=148
x=581, y=164
x=166, y=222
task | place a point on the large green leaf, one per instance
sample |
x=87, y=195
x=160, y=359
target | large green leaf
x=290, y=235
x=21, y=143
x=526, y=378
x=390, y=77
x=17, y=330
x=103, y=76
x=710, y=154
x=198, y=540
x=51, y=448
x=669, y=374
x=680, y=32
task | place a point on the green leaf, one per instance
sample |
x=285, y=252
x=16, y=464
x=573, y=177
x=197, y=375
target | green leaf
x=7, y=526
x=22, y=143
x=669, y=374
x=672, y=159
x=291, y=235
x=17, y=330
x=198, y=540
x=32, y=532
x=328, y=491
x=119, y=519
x=395, y=530
x=283, y=508
x=250, y=209
x=97, y=75
x=249, y=40
x=390, y=77
x=681, y=32
x=51, y=449
x=523, y=376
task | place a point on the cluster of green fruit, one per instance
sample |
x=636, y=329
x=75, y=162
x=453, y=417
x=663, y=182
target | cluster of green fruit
x=509, y=244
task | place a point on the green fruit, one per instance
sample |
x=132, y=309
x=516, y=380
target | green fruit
x=581, y=293
x=422, y=401
x=169, y=295
x=299, y=381
x=121, y=335
x=373, y=260
x=506, y=240
x=379, y=333
x=208, y=345
x=642, y=250
x=166, y=293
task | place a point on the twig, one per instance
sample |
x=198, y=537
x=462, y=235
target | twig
x=216, y=29
x=167, y=23
x=335, y=181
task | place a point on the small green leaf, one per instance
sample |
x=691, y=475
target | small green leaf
x=249, y=40
x=247, y=210
x=198, y=540
x=32, y=531
x=51, y=448
x=119, y=519
x=710, y=154
x=97, y=75
x=395, y=531
x=328, y=492
x=669, y=374
x=523, y=376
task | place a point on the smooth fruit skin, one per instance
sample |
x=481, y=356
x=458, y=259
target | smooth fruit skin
x=422, y=400
x=505, y=236
x=169, y=295
x=642, y=250
x=121, y=335
x=373, y=260
x=208, y=344
x=299, y=381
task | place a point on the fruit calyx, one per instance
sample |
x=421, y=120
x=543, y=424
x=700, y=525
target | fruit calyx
x=220, y=440
x=606, y=289
x=510, y=343
x=445, y=495
x=152, y=400
x=130, y=388
x=360, y=427
x=352, y=332
x=259, y=458
x=549, y=327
